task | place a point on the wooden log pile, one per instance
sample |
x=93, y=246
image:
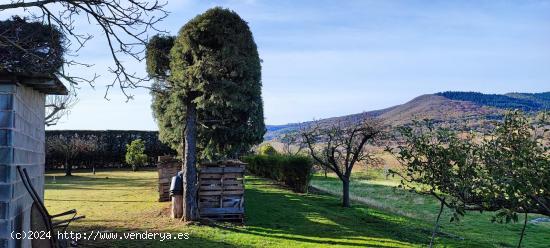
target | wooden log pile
x=221, y=190
x=168, y=167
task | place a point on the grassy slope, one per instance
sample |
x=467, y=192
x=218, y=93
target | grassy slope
x=373, y=188
x=126, y=201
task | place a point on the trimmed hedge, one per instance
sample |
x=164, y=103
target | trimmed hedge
x=293, y=171
x=110, y=149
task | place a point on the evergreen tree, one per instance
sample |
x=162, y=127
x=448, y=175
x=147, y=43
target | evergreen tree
x=207, y=93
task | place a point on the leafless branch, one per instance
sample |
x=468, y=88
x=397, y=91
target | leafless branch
x=58, y=106
x=340, y=146
x=125, y=24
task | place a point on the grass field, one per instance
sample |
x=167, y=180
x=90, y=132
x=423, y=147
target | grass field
x=375, y=190
x=124, y=201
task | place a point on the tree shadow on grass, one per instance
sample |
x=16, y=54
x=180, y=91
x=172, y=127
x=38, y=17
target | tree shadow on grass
x=319, y=219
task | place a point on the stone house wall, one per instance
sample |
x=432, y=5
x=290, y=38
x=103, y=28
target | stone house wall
x=21, y=143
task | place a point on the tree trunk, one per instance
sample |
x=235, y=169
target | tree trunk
x=436, y=226
x=523, y=230
x=190, y=205
x=68, y=168
x=345, y=193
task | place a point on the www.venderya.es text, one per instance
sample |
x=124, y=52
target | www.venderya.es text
x=101, y=235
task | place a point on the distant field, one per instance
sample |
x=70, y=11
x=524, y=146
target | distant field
x=387, y=159
x=123, y=201
x=372, y=187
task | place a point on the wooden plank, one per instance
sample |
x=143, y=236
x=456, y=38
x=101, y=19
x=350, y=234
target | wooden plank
x=201, y=193
x=232, y=187
x=232, y=196
x=210, y=176
x=207, y=211
x=233, y=179
x=222, y=170
x=227, y=175
x=213, y=199
x=209, y=198
x=229, y=218
x=233, y=184
x=233, y=192
x=229, y=192
x=234, y=176
x=224, y=164
x=221, y=190
x=206, y=181
x=223, y=217
x=218, y=187
x=202, y=183
x=210, y=187
x=209, y=205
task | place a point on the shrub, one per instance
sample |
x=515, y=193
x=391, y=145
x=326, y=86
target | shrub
x=293, y=171
x=135, y=154
x=267, y=149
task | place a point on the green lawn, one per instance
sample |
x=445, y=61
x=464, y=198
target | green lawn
x=123, y=201
x=379, y=192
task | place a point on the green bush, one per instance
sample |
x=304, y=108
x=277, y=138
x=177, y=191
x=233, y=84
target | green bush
x=135, y=154
x=267, y=149
x=293, y=171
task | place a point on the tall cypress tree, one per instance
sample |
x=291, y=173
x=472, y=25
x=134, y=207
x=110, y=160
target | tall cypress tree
x=207, y=93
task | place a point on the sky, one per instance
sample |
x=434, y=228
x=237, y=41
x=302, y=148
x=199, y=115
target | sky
x=332, y=58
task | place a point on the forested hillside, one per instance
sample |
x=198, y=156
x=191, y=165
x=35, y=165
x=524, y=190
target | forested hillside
x=523, y=101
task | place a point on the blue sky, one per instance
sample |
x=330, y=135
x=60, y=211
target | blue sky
x=332, y=58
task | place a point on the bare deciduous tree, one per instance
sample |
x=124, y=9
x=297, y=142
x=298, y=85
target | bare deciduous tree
x=58, y=106
x=125, y=24
x=340, y=146
x=293, y=143
x=70, y=147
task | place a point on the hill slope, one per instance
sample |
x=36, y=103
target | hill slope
x=523, y=101
x=443, y=107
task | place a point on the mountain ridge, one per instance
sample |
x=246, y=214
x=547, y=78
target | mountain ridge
x=448, y=106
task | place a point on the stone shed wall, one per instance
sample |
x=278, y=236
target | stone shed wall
x=21, y=143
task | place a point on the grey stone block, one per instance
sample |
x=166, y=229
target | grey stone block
x=7, y=88
x=18, y=191
x=5, y=173
x=6, y=119
x=6, y=101
x=6, y=192
x=5, y=137
x=3, y=210
x=6, y=155
x=5, y=229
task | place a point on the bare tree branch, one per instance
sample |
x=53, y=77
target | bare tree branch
x=340, y=146
x=125, y=24
x=58, y=106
